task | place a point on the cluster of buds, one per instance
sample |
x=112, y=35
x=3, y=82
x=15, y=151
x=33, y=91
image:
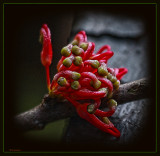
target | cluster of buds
x=83, y=74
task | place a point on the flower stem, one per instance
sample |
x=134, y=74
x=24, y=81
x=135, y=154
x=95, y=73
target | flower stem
x=48, y=77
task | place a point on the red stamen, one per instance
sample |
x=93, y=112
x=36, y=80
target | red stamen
x=88, y=94
x=81, y=37
x=105, y=47
x=60, y=62
x=109, y=128
x=106, y=83
x=104, y=114
x=107, y=55
x=121, y=73
x=89, y=75
x=88, y=53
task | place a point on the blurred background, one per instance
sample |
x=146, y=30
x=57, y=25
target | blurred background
x=128, y=29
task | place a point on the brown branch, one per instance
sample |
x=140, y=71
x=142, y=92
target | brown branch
x=50, y=110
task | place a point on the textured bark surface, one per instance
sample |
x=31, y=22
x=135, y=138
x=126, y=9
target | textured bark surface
x=51, y=110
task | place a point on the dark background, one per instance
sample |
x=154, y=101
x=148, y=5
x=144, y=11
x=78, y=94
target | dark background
x=25, y=83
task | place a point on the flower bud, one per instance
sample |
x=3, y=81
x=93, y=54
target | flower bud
x=91, y=108
x=114, y=79
x=112, y=103
x=76, y=76
x=95, y=64
x=84, y=46
x=106, y=120
x=102, y=71
x=77, y=61
x=109, y=76
x=116, y=84
x=74, y=42
x=75, y=85
x=104, y=90
x=67, y=62
x=97, y=84
x=65, y=51
x=62, y=81
x=76, y=50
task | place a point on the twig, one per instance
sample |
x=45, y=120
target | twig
x=51, y=110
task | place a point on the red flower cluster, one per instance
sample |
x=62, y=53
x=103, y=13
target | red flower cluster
x=83, y=74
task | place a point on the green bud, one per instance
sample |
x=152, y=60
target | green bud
x=76, y=50
x=84, y=46
x=112, y=103
x=62, y=81
x=65, y=51
x=114, y=79
x=67, y=62
x=76, y=76
x=116, y=84
x=91, y=108
x=106, y=120
x=97, y=84
x=104, y=89
x=102, y=71
x=77, y=61
x=95, y=64
x=74, y=42
x=109, y=76
x=75, y=85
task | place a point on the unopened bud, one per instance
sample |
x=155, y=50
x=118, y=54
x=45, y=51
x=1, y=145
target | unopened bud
x=77, y=61
x=75, y=85
x=116, y=84
x=112, y=103
x=65, y=51
x=97, y=84
x=109, y=76
x=106, y=120
x=114, y=79
x=102, y=71
x=84, y=46
x=67, y=62
x=76, y=50
x=74, y=42
x=62, y=81
x=76, y=76
x=95, y=64
x=104, y=90
x=91, y=108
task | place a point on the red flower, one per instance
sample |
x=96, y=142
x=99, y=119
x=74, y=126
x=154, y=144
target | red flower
x=83, y=74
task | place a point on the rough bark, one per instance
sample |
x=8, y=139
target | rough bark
x=51, y=110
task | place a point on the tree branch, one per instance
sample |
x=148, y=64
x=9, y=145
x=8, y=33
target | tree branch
x=51, y=110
